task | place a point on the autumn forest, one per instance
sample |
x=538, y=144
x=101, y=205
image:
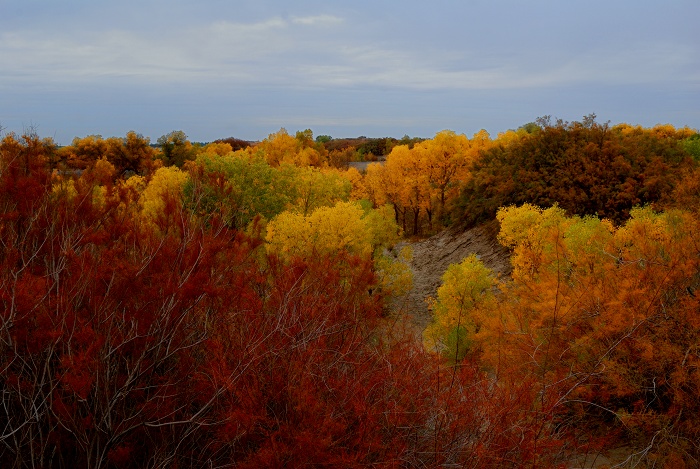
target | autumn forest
x=238, y=304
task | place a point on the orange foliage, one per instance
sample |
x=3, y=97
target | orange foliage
x=603, y=320
x=422, y=181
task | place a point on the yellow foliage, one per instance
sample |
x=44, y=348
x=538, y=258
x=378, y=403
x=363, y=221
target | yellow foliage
x=310, y=188
x=64, y=188
x=280, y=147
x=326, y=231
x=136, y=183
x=220, y=148
x=423, y=182
x=166, y=186
x=129, y=192
x=359, y=190
x=395, y=274
x=466, y=287
x=374, y=184
x=528, y=230
x=346, y=226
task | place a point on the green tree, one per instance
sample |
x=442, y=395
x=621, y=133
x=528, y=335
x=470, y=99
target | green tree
x=175, y=148
x=236, y=187
x=692, y=146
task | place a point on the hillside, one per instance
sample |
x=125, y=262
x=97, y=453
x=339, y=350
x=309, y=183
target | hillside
x=433, y=255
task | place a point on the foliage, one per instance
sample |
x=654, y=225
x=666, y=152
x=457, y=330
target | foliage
x=326, y=231
x=585, y=167
x=176, y=149
x=163, y=194
x=692, y=146
x=422, y=181
x=235, y=187
x=235, y=143
x=395, y=275
x=281, y=148
x=466, y=287
x=604, y=319
x=309, y=188
x=171, y=341
x=141, y=326
x=240, y=187
x=129, y=155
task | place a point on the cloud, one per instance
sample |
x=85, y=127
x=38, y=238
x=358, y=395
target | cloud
x=319, y=51
x=236, y=52
x=324, y=20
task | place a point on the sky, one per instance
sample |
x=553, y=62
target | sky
x=245, y=69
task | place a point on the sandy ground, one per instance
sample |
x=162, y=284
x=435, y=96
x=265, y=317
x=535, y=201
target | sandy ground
x=432, y=256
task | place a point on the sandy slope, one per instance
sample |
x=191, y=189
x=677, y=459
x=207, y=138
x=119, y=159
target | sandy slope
x=432, y=256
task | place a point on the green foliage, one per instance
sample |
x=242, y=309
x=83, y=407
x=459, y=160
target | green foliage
x=176, y=149
x=457, y=344
x=395, y=275
x=692, y=146
x=381, y=225
x=530, y=127
x=237, y=188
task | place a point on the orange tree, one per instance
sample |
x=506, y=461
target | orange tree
x=604, y=320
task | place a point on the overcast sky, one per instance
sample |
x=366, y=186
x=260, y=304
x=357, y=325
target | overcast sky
x=219, y=68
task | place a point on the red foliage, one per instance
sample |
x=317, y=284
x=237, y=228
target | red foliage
x=127, y=345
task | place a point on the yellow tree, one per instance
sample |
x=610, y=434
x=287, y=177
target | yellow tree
x=373, y=180
x=326, y=231
x=309, y=188
x=466, y=288
x=349, y=228
x=163, y=195
x=217, y=148
x=359, y=189
x=382, y=228
x=444, y=161
x=406, y=184
x=280, y=147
